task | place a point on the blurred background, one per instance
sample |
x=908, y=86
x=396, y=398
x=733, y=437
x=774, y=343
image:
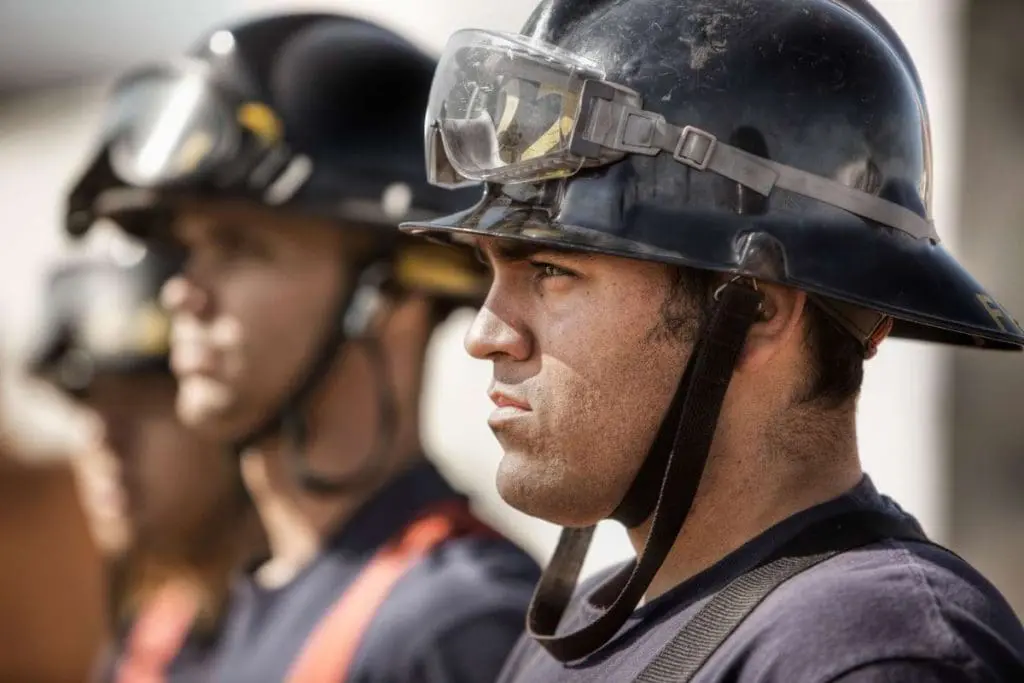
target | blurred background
x=941, y=431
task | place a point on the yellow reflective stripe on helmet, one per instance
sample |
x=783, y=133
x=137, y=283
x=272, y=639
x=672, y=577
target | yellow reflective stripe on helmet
x=437, y=269
x=261, y=120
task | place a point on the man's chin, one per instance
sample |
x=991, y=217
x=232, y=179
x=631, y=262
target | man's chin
x=208, y=408
x=542, y=493
x=112, y=538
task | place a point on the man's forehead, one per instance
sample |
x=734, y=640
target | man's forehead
x=197, y=218
x=192, y=215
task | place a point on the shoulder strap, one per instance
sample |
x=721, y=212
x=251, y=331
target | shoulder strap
x=687, y=652
x=158, y=634
x=331, y=649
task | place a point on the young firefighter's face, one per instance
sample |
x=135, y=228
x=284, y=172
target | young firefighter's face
x=147, y=479
x=253, y=303
x=584, y=368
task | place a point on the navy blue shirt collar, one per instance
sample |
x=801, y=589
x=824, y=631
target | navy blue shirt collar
x=863, y=496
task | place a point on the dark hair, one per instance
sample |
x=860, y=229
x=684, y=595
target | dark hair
x=837, y=361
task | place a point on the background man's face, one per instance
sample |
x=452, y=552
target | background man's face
x=248, y=313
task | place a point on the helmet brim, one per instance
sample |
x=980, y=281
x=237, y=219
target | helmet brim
x=930, y=296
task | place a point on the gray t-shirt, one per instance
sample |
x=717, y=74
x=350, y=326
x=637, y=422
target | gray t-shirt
x=890, y=611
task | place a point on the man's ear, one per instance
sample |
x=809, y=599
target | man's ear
x=782, y=322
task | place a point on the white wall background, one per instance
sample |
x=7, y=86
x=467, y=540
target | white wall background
x=44, y=139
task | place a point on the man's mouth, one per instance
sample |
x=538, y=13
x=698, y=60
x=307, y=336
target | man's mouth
x=503, y=400
x=508, y=408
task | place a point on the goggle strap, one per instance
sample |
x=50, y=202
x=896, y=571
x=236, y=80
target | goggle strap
x=637, y=131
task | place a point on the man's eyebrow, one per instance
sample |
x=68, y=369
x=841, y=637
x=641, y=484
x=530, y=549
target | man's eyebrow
x=511, y=250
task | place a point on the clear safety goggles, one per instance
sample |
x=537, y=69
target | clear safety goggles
x=510, y=109
x=172, y=125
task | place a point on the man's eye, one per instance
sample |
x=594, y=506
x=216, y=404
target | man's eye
x=233, y=243
x=547, y=270
x=225, y=240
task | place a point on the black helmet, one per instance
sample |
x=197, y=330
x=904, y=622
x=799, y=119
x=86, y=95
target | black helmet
x=310, y=113
x=102, y=315
x=787, y=141
x=783, y=141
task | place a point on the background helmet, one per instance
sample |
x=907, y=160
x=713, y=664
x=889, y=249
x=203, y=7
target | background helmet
x=313, y=112
x=309, y=113
x=103, y=316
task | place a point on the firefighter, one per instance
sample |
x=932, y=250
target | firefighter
x=702, y=217
x=281, y=153
x=166, y=508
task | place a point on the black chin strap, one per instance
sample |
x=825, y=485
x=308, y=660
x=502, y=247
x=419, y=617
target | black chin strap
x=295, y=435
x=357, y=305
x=698, y=401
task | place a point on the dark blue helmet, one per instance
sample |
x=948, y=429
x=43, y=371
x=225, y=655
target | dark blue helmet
x=310, y=112
x=788, y=141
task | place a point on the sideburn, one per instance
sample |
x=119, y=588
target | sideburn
x=686, y=308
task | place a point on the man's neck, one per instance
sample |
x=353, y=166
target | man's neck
x=297, y=522
x=745, y=491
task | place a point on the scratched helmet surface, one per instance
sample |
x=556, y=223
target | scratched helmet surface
x=786, y=140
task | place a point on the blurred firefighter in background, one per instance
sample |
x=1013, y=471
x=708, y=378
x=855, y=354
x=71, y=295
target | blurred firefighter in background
x=166, y=508
x=282, y=153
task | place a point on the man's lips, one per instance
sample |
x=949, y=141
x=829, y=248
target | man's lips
x=503, y=400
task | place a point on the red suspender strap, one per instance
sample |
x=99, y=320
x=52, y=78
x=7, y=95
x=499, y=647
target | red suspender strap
x=158, y=634
x=331, y=648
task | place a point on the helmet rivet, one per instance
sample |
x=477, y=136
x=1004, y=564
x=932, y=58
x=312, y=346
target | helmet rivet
x=396, y=200
x=222, y=42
